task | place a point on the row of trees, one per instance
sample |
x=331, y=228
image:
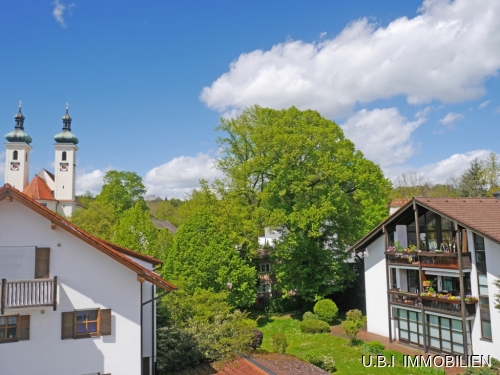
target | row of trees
x=480, y=179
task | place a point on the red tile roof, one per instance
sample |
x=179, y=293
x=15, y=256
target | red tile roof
x=400, y=202
x=38, y=190
x=9, y=192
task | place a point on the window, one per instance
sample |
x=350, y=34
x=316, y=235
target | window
x=412, y=277
x=436, y=232
x=86, y=323
x=64, y=155
x=394, y=281
x=482, y=281
x=14, y=155
x=265, y=268
x=264, y=288
x=486, y=329
x=14, y=328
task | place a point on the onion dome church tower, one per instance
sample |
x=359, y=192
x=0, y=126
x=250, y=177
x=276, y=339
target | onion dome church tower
x=17, y=158
x=65, y=167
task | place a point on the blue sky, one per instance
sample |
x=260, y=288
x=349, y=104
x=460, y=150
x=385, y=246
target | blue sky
x=414, y=84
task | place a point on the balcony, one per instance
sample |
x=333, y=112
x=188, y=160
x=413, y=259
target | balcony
x=20, y=294
x=429, y=259
x=404, y=299
x=448, y=306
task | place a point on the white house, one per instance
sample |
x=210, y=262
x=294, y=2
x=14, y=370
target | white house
x=71, y=303
x=56, y=191
x=439, y=295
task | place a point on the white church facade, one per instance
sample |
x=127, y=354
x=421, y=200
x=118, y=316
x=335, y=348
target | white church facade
x=55, y=191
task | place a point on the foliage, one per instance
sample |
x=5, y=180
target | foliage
x=310, y=316
x=258, y=336
x=163, y=209
x=98, y=219
x=123, y=190
x=326, y=309
x=480, y=371
x=314, y=326
x=301, y=176
x=495, y=364
x=430, y=371
x=278, y=342
x=86, y=198
x=176, y=349
x=136, y=231
x=207, y=257
x=216, y=330
x=373, y=347
x=471, y=183
x=324, y=362
x=279, y=305
x=304, y=345
x=354, y=321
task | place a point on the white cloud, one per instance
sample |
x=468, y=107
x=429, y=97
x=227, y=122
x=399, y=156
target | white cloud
x=453, y=166
x=59, y=11
x=90, y=181
x=181, y=175
x=423, y=112
x=383, y=135
x=484, y=104
x=450, y=118
x=445, y=53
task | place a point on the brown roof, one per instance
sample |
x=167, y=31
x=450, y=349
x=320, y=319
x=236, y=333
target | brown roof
x=165, y=224
x=8, y=192
x=400, y=202
x=482, y=215
x=479, y=214
x=133, y=253
x=38, y=190
x=51, y=175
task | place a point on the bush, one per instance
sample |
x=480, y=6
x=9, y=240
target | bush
x=258, y=336
x=310, y=316
x=373, y=347
x=495, y=364
x=278, y=342
x=479, y=371
x=177, y=349
x=279, y=305
x=354, y=321
x=324, y=362
x=431, y=371
x=326, y=310
x=314, y=326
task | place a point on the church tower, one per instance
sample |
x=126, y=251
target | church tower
x=17, y=158
x=65, y=167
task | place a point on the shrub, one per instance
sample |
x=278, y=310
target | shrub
x=278, y=342
x=354, y=321
x=325, y=362
x=314, y=326
x=373, y=347
x=326, y=310
x=479, y=371
x=495, y=364
x=258, y=336
x=431, y=371
x=310, y=316
x=177, y=349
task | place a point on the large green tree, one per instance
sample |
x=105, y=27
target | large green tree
x=303, y=177
x=123, y=190
x=211, y=253
x=98, y=219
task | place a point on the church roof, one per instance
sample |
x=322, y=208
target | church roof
x=66, y=136
x=18, y=134
x=9, y=193
x=38, y=190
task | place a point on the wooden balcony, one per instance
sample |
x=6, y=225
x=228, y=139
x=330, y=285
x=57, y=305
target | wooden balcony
x=447, y=306
x=404, y=299
x=20, y=294
x=429, y=259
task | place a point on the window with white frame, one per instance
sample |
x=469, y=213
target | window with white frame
x=265, y=268
x=264, y=288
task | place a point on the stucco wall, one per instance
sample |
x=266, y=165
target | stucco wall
x=376, y=288
x=493, y=267
x=87, y=279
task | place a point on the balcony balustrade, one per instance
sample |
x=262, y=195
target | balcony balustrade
x=448, y=306
x=405, y=299
x=18, y=294
x=429, y=259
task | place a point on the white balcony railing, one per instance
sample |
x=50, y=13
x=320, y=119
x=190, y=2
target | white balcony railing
x=28, y=293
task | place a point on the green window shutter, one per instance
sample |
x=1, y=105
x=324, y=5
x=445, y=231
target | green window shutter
x=67, y=330
x=42, y=263
x=105, y=322
x=24, y=327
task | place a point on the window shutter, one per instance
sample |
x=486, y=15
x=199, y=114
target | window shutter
x=67, y=325
x=24, y=327
x=42, y=262
x=105, y=322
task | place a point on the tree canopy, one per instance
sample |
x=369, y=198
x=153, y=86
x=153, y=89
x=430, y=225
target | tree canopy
x=123, y=190
x=304, y=178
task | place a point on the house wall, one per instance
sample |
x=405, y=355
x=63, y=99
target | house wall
x=376, y=288
x=480, y=346
x=87, y=279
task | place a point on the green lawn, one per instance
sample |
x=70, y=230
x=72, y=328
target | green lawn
x=347, y=359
